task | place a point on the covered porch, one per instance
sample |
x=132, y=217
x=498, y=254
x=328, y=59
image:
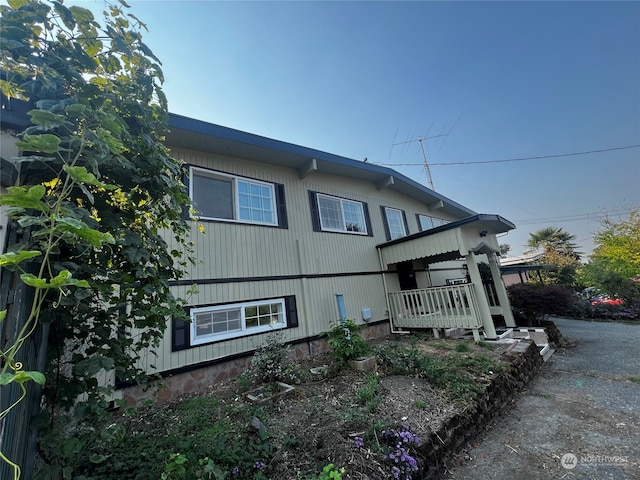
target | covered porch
x=418, y=298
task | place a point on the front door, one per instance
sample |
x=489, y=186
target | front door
x=406, y=276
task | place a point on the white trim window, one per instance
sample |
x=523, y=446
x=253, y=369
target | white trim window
x=395, y=223
x=341, y=215
x=427, y=222
x=220, y=196
x=230, y=321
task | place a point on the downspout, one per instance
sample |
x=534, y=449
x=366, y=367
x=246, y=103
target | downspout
x=386, y=296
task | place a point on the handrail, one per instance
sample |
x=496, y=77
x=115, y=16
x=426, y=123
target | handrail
x=451, y=306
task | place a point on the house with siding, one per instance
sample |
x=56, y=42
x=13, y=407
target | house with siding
x=294, y=238
x=290, y=239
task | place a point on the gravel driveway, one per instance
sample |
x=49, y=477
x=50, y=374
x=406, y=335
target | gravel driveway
x=578, y=419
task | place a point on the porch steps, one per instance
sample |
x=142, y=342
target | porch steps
x=512, y=335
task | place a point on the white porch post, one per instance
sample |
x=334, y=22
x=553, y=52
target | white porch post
x=483, y=303
x=501, y=291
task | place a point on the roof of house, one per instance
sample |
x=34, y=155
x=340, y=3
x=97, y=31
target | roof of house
x=525, y=259
x=198, y=135
x=493, y=223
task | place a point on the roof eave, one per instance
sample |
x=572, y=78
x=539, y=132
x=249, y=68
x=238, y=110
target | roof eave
x=195, y=134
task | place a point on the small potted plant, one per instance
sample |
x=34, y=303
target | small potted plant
x=348, y=346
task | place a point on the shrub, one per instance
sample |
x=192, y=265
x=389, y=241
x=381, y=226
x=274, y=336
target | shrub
x=346, y=342
x=269, y=362
x=533, y=302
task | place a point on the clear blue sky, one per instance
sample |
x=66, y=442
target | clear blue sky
x=504, y=80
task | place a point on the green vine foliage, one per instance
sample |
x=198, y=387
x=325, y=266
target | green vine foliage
x=101, y=197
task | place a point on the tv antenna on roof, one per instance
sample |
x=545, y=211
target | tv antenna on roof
x=427, y=168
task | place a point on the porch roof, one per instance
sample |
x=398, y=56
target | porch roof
x=476, y=234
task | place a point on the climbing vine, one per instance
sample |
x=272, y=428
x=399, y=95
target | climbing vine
x=103, y=202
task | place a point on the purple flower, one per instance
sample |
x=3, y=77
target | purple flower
x=359, y=442
x=258, y=465
x=235, y=470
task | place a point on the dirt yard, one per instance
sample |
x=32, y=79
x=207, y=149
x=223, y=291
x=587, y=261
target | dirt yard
x=320, y=424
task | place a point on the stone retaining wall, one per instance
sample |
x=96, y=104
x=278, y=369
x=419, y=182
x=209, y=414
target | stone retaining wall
x=440, y=446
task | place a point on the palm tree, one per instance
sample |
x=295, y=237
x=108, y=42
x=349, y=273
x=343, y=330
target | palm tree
x=553, y=240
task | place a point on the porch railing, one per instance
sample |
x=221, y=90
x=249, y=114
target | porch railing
x=452, y=306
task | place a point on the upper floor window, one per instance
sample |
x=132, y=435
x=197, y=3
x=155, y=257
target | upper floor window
x=395, y=223
x=427, y=222
x=220, y=196
x=335, y=214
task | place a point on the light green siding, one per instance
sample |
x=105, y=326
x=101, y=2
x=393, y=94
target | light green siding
x=314, y=266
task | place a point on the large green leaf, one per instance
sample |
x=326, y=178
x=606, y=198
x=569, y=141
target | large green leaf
x=48, y=119
x=21, y=376
x=114, y=144
x=25, y=197
x=82, y=230
x=81, y=175
x=81, y=15
x=65, y=15
x=63, y=279
x=89, y=366
x=12, y=258
x=46, y=142
x=15, y=4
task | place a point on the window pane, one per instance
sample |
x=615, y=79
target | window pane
x=243, y=187
x=225, y=321
x=203, y=324
x=395, y=223
x=252, y=322
x=353, y=217
x=425, y=222
x=330, y=213
x=256, y=202
x=212, y=196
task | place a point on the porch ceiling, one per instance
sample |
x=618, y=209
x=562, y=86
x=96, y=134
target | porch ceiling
x=457, y=239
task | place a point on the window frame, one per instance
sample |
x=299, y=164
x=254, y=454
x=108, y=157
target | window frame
x=402, y=218
x=234, y=179
x=342, y=202
x=197, y=340
x=434, y=221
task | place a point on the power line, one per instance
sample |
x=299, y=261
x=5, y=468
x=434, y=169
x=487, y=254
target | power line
x=574, y=218
x=522, y=159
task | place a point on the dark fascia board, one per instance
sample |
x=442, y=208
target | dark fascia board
x=195, y=134
x=494, y=223
x=8, y=173
x=13, y=115
x=526, y=268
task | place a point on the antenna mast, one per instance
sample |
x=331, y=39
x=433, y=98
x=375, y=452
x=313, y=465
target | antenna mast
x=426, y=166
